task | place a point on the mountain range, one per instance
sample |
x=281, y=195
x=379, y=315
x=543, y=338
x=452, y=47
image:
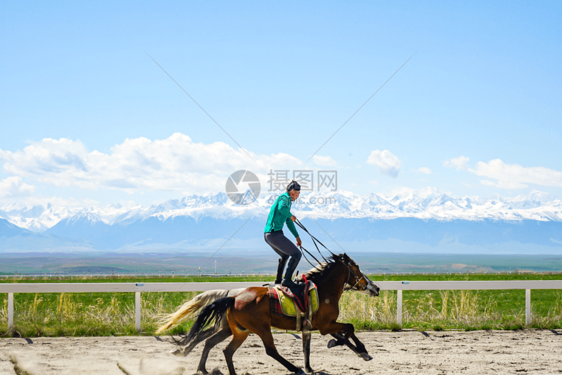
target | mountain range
x=413, y=221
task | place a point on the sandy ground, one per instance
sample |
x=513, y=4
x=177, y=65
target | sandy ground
x=478, y=352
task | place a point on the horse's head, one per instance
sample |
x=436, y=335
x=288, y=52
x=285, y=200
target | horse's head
x=357, y=280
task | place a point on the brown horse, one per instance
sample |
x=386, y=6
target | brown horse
x=250, y=311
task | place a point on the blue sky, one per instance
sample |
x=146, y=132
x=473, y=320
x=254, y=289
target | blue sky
x=484, y=84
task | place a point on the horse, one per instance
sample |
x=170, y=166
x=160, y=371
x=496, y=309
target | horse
x=249, y=311
x=221, y=331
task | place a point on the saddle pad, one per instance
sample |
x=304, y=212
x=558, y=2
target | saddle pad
x=282, y=300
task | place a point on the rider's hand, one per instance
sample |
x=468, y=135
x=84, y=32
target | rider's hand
x=299, y=242
x=293, y=218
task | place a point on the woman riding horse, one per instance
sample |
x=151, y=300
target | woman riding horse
x=280, y=214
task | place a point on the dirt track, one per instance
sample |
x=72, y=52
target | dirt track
x=479, y=352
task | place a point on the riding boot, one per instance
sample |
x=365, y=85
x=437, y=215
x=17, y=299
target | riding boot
x=280, y=268
x=287, y=281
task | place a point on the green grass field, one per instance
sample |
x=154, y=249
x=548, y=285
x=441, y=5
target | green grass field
x=467, y=310
x=91, y=314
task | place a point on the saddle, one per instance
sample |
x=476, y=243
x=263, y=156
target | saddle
x=300, y=303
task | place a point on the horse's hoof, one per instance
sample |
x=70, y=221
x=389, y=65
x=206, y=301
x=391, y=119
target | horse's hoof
x=300, y=372
x=365, y=356
x=331, y=343
x=309, y=370
x=175, y=352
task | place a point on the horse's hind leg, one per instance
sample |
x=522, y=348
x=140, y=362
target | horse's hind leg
x=221, y=335
x=200, y=337
x=238, y=337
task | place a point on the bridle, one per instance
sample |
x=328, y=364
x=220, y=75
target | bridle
x=358, y=279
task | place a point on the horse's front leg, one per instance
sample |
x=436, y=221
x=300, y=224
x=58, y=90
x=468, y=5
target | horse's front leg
x=360, y=349
x=343, y=332
x=340, y=331
x=337, y=328
x=338, y=340
x=306, y=339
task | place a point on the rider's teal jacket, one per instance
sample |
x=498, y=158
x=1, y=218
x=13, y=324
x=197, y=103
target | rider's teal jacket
x=280, y=214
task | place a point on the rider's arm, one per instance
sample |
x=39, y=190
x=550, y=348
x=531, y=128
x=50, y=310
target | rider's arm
x=284, y=209
x=291, y=227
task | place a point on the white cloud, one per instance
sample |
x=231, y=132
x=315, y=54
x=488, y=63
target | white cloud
x=387, y=163
x=173, y=164
x=14, y=187
x=424, y=170
x=514, y=176
x=459, y=163
x=324, y=161
x=508, y=176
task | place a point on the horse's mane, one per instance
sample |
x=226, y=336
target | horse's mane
x=321, y=269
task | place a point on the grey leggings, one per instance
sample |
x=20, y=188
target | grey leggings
x=282, y=245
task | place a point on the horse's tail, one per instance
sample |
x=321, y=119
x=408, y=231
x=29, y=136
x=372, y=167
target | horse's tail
x=215, y=310
x=188, y=309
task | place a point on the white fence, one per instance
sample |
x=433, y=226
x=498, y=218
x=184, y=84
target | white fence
x=138, y=288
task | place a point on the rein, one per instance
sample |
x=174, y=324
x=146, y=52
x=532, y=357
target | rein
x=315, y=240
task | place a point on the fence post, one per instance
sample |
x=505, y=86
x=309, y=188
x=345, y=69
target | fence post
x=527, y=307
x=399, y=307
x=10, y=310
x=138, y=311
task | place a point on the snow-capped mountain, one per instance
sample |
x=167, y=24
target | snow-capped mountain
x=413, y=221
x=421, y=204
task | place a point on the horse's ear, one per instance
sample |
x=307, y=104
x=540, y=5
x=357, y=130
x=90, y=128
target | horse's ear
x=346, y=257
